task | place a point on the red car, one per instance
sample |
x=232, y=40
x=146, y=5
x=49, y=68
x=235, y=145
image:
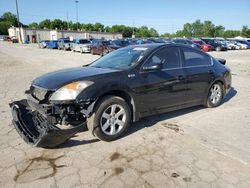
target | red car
x=102, y=47
x=205, y=47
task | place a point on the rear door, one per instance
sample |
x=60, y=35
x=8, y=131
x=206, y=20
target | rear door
x=163, y=88
x=199, y=73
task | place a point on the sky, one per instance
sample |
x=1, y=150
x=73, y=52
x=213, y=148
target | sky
x=163, y=15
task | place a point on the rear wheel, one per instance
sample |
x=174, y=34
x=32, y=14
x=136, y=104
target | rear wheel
x=215, y=95
x=218, y=49
x=110, y=119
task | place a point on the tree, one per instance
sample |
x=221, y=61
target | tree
x=6, y=21
x=245, y=31
x=45, y=24
x=208, y=29
x=187, y=30
x=218, y=31
x=98, y=27
x=197, y=29
x=33, y=25
x=231, y=33
x=57, y=24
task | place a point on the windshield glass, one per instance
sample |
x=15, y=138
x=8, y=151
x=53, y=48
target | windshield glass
x=66, y=41
x=106, y=43
x=121, y=59
x=84, y=41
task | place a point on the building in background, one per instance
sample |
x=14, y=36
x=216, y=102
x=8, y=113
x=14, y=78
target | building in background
x=37, y=35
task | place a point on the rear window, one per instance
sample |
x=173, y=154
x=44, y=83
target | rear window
x=195, y=58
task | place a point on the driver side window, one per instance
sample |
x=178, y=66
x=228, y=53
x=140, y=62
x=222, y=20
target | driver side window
x=168, y=57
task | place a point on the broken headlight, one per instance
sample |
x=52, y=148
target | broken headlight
x=70, y=91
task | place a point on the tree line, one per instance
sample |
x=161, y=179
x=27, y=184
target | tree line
x=195, y=29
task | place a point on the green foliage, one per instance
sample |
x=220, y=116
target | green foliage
x=245, y=31
x=6, y=21
x=45, y=24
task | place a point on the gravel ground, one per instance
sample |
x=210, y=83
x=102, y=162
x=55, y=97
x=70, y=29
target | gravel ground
x=195, y=147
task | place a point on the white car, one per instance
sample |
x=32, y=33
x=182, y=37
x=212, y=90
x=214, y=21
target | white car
x=241, y=46
x=232, y=46
x=81, y=45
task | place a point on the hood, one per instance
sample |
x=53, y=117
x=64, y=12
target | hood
x=57, y=79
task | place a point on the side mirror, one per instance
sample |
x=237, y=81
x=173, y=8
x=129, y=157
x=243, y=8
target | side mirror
x=157, y=66
x=222, y=61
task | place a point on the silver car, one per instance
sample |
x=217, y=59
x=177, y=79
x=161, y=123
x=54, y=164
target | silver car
x=81, y=45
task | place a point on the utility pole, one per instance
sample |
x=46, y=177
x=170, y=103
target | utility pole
x=77, y=13
x=67, y=21
x=20, y=37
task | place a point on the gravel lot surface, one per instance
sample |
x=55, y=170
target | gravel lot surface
x=195, y=147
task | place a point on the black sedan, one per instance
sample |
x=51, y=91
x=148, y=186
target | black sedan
x=117, y=89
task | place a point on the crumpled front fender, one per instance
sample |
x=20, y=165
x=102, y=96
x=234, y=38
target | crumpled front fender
x=38, y=130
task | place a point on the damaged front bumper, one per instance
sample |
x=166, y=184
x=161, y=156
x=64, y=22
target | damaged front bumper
x=38, y=129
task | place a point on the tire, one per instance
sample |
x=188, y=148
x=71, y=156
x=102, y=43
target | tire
x=215, y=95
x=218, y=49
x=103, y=123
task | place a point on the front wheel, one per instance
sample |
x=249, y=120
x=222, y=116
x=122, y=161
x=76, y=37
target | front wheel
x=110, y=119
x=215, y=95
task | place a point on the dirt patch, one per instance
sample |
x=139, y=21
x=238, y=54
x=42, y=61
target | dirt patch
x=38, y=168
x=115, y=156
x=175, y=175
x=187, y=179
x=173, y=126
x=118, y=170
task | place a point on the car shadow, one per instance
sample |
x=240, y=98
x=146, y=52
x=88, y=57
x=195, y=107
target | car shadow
x=71, y=143
x=147, y=122
x=152, y=120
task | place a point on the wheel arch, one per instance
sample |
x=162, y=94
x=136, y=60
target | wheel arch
x=124, y=95
x=218, y=80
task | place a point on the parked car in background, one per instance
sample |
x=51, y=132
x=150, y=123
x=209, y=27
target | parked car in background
x=81, y=45
x=157, y=40
x=14, y=40
x=117, y=89
x=52, y=44
x=64, y=44
x=229, y=45
x=244, y=42
x=120, y=43
x=43, y=44
x=102, y=47
x=205, y=47
x=216, y=45
x=187, y=42
x=241, y=46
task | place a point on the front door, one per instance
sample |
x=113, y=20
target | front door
x=164, y=88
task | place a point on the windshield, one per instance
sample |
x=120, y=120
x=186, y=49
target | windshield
x=121, y=59
x=84, y=41
x=67, y=41
x=106, y=43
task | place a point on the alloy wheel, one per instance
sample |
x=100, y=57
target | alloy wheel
x=113, y=119
x=215, y=94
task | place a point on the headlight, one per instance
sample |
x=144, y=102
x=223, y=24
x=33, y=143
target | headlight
x=70, y=91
